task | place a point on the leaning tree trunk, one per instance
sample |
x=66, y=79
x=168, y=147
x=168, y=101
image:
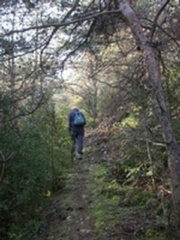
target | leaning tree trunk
x=152, y=62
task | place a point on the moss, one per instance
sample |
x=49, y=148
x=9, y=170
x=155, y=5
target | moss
x=152, y=234
x=105, y=199
x=135, y=197
x=160, y=210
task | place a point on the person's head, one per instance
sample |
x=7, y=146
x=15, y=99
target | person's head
x=74, y=108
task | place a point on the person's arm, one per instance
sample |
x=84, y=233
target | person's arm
x=70, y=120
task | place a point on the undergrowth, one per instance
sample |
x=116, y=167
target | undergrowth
x=39, y=150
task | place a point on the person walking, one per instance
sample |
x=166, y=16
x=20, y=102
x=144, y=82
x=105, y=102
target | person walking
x=77, y=121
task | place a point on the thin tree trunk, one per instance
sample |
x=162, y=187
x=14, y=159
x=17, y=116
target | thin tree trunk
x=152, y=62
x=154, y=187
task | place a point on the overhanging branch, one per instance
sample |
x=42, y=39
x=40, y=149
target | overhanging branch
x=62, y=23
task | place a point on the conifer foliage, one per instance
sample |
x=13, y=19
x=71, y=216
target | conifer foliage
x=34, y=155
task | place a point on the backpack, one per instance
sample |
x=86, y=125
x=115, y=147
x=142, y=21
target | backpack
x=79, y=119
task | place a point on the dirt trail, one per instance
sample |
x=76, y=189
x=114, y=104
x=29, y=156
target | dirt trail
x=70, y=216
x=79, y=222
x=94, y=206
x=88, y=206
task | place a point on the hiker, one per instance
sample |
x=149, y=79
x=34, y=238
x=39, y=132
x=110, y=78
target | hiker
x=77, y=122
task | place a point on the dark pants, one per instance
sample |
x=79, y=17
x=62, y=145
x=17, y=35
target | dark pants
x=77, y=138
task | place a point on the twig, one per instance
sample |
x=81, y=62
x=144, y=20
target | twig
x=4, y=160
x=156, y=18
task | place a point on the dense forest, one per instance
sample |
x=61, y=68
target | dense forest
x=118, y=61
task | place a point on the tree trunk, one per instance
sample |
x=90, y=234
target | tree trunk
x=152, y=62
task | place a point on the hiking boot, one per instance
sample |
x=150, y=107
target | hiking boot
x=79, y=156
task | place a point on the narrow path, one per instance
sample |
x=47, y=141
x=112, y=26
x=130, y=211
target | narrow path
x=88, y=207
x=79, y=222
x=93, y=206
x=72, y=218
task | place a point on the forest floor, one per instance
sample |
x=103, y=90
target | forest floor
x=94, y=206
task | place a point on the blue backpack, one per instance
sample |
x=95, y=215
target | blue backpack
x=79, y=119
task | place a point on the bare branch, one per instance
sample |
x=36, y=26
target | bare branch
x=5, y=159
x=157, y=16
x=56, y=29
x=40, y=103
x=61, y=24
